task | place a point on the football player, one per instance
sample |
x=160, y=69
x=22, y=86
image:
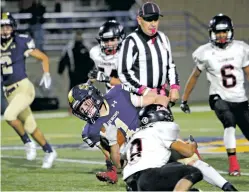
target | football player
x=149, y=150
x=111, y=119
x=105, y=55
x=225, y=61
x=19, y=91
x=156, y=144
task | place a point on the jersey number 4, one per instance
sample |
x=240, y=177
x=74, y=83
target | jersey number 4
x=228, y=79
x=6, y=63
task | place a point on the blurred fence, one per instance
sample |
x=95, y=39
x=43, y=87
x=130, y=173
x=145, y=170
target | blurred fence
x=185, y=30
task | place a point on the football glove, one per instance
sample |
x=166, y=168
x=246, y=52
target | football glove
x=191, y=139
x=184, y=107
x=93, y=74
x=99, y=76
x=46, y=80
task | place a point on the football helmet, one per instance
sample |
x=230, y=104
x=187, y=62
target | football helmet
x=7, y=19
x=109, y=31
x=153, y=113
x=85, y=101
x=218, y=24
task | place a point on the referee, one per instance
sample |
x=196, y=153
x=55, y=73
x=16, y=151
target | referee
x=145, y=59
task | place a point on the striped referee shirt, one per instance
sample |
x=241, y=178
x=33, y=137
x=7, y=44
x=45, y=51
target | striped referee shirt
x=146, y=61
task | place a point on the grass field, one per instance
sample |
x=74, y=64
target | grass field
x=76, y=166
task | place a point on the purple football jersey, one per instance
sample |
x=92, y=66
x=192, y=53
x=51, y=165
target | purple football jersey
x=122, y=114
x=13, y=59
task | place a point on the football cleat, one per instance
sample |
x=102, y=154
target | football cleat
x=49, y=159
x=30, y=149
x=195, y=189
x=228, y=187
x=110, y=176
x=234, y=173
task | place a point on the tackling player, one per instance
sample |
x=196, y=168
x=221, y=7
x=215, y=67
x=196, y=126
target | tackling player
x=112, y=119
x=153, y=146
x=19, y=91
x=225, y=61
x=149, y=151
x=105, y=55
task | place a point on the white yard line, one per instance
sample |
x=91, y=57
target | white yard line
x=61, y=160
x=51, y=115
x=92, y=162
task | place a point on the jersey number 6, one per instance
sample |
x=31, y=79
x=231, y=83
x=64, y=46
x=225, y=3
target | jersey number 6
x=228, y=79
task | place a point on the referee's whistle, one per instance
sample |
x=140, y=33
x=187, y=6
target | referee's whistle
x=153, y=31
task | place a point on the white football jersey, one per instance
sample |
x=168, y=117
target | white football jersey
x=224, y=69
x=150, y=147
x=105, y=63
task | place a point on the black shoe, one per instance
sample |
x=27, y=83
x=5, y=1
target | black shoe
x=228, y=187
x=194, y=189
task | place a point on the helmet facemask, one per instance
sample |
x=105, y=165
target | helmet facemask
x=88, y=104
x=110, y=46
x=221, y=30
x=8, y=27
x=6, y=31
x=88, y=108
x=220, y=41
x=111, y=35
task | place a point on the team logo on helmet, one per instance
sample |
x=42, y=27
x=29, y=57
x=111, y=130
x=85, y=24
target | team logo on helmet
x=145, y=120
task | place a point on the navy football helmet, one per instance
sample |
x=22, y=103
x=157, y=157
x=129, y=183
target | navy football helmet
x=92, y=99
x=220, y=23
x=7, y=19
x=153, y=113
x=109, y=31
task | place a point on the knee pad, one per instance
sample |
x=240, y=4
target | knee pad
x=195, y=176
x=229, y=138
x=224, y=114
x=30, y=124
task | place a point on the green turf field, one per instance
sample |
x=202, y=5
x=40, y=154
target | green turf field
x=75, y=167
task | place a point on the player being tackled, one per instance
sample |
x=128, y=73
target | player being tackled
x=111, y=119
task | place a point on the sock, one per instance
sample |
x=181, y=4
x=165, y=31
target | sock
x=210, y=175
x=233, y=162
x=229, y=138
x=109, y=164
x=47, y=148
x=25, y=138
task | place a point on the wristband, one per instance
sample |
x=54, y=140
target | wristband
x=141, y=89
x=175, y=87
